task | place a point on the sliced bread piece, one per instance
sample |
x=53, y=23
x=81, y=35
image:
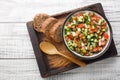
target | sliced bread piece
x=47, y=24
x=38, y=20
x=55, y=32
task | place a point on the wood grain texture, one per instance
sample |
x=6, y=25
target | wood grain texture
x=26, y=69
x=15, y=41
x=16, y=54
x=24, y=10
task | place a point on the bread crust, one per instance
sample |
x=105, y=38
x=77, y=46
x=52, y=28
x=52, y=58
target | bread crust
x=38, y=20
x=47, y=24
x=55, y=32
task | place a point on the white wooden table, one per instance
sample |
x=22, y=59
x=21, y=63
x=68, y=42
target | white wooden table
x=17, y=60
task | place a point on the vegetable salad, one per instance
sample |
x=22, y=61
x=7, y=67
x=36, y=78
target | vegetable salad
x=86, y=33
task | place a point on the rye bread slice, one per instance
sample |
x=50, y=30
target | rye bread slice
x=47, y=24
x=38, y=20
x=55, y=32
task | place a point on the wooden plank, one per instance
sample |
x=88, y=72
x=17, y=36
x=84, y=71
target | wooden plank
x=15, y=41
x=24, y=10
x=26, y=69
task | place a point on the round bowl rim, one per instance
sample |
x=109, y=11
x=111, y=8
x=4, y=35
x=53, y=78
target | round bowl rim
x=94, y=56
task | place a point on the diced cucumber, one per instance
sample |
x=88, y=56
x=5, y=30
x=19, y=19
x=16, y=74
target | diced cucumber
x=85, y=33
x=71, y=19
x=86, y=30
x=88, y=36
x=101, y=21
x=71, y=47
x=96, y=35
x=76, y=24
x=106, y=28
x=69, y=42
x=91, y=47
x=85, y=17
x=83, y=50
x=91, y=39
x=94, y=44
x=95, y=25
x=95, y=40
x=80, y=19
x=67, y=29
x=87, y=22
x=78, y=50
x=67, y=33
x=90, y=53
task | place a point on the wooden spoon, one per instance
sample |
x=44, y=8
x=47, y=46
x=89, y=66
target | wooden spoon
x=50, y=49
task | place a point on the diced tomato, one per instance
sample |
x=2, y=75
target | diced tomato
x=106, y=36
x=103, y=43
x=95, y=49
x=95, y=30
x=92, y=30
x=81, y=36
x=104, y=24
x=77, y=33
x=103, y=27
x=70, y=36
x=81, y=14
x=77, y=39
x=86, y=54
x=99, y=48
x=79, y=45
x=92, y=23
x=81, y=25
x=95, y=18
x=66, y=38
x=74, y=18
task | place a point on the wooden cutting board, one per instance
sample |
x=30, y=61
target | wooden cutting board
x=51, y=65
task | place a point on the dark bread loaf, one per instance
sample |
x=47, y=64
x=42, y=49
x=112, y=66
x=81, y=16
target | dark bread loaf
x=38, y=20
x=47, y=24
x=56, y=32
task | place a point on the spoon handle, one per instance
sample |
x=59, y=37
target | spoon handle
x=78, y=62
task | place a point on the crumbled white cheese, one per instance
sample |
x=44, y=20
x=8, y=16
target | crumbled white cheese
x=103, y=38
x=78, y=29
x=99, y=42
x=73, y=33
x=99, y=36
x=82, y=44
x=80, y=18
x=100, y=21
x=88, y=18
x=69, y=25
x=86, y=26
x=74, y=21
x=86, y=47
